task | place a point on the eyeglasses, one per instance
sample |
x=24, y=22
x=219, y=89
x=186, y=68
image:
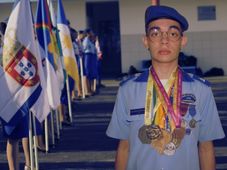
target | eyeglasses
x=155, y=34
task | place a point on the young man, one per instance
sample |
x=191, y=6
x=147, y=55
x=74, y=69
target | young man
x=165, y=118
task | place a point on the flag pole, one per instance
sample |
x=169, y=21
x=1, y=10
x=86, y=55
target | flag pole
x=52, y=127
x=46, y=135
x=82, y=75
x=31, y=142
x=59, y=117
x=69, y=99
x=35, y=142
x=57, y=123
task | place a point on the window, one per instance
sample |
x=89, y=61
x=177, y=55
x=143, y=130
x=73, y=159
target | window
x=206, y=13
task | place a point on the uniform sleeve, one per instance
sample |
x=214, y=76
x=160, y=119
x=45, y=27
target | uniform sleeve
x=211, y=127
x=118, y=126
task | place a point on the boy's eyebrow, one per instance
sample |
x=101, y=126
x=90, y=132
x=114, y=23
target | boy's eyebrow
x=154, y=27
x=176, y=27
x=158, y=28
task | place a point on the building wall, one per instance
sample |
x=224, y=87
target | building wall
x=206, y=38
x=5, y=9
x=74, y=11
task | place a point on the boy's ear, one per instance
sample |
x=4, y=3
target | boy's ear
x=145, y=41
x=184, y=41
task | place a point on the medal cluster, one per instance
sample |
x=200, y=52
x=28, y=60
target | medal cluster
x=162, y=140
x=163, y=129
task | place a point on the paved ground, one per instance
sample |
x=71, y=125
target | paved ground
x=84, y=146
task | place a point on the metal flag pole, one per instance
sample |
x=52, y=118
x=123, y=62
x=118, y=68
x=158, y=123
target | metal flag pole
x=59, y=117
x=31, y=142
x=81, y=75
x=94, y=85
x=35, y=142
x=69, y=99
x=52, y=127
x=46, y=134
x=57, y=124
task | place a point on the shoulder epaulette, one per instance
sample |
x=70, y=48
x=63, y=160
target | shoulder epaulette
x=130, y=77
x=207, y=83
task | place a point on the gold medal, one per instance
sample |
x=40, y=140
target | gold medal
x=143, y=135
x=154, y=132
x=177, y=136
x=179, y=132
x=160, y=144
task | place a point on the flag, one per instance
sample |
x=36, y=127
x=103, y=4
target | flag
x=23, y=76
x=70, y=62
x=45, y=36
x=60, y=70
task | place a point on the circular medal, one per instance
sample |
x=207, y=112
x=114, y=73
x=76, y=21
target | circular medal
x=176, y=142
x=170, y=149
x=179, y=132
x=178, y=135
x=192, y=123
x=143, y=135
x=154, y=132
x=160, y=144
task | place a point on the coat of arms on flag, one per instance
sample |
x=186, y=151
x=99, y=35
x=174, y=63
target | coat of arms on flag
x=20, y=63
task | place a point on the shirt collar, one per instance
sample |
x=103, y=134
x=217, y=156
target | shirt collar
x=143, y=77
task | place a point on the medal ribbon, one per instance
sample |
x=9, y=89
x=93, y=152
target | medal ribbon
x=148, y=115
x=163, y=96
x=148, y=118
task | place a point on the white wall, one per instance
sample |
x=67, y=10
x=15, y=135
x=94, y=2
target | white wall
x=74, y=11
x=189, y=9
x=132, y=28
x=5, y=9
x=207, y=39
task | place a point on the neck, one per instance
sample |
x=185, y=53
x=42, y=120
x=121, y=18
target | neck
x=164, y=70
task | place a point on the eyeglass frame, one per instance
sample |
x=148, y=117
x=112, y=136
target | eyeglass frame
x=159, y=38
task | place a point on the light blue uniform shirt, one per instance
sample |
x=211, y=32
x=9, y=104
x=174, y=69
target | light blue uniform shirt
x=88, y=46
x=128, y=117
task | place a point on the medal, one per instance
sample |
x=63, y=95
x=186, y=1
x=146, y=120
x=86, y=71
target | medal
x=192, y=112
x=143, y=135
x=153, y=132
x=160, y=144
x=179, y=132
x=192, y=123
x=170, y=149
x=166, y=114
x=177, y=136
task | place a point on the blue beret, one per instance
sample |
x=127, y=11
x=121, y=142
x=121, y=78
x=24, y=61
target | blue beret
x=155, y=12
